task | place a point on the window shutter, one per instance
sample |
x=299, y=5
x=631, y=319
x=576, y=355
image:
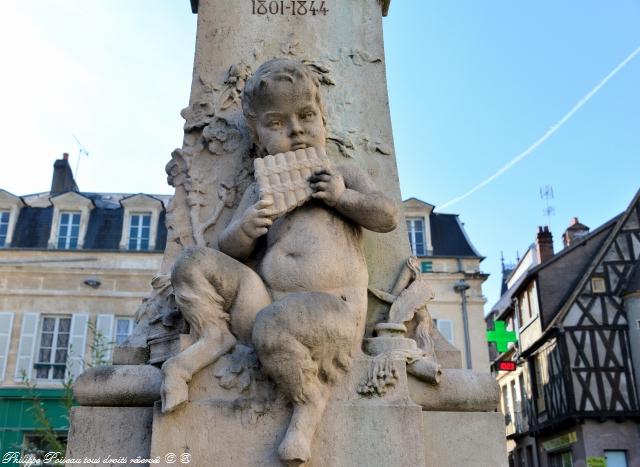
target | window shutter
x=26, y=349
x=6, y=325
x=104, y=328
x=445, y=327
x=77, y=344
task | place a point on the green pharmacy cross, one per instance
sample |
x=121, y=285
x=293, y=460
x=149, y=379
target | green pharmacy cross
x=501, y=336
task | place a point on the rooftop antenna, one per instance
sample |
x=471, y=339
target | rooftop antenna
x=546, y=194
x=81, y=150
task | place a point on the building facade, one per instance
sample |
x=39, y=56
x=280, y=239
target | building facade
x=73, y=266
x=451, y=265
x=573, y=399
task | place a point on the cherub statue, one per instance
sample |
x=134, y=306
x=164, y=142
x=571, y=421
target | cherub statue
x=292, y=285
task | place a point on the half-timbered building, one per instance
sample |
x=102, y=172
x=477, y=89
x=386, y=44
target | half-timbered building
x=574, y=398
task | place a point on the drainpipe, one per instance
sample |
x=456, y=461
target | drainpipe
x=461, y=287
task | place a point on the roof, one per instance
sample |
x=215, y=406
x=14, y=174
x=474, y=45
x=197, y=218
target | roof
x=104, y=230
x=449, y=237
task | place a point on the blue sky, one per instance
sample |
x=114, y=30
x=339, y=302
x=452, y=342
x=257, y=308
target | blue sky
x=472, y=83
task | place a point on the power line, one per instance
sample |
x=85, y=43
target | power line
x=547, y=135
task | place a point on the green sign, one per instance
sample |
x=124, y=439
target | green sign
x=501, y=336
x=596, y=462
x=560, y=442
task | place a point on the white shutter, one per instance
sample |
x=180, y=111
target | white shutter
x=104, y=328
x=445, y=327
x=77, y=344
x=6, y=326
x=27, y=347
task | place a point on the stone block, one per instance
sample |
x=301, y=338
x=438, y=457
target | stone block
x=118, y=386
x=464, y=439
x=115, y=432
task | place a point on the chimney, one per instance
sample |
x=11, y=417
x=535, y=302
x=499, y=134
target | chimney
x=544, y=244
x=574, y=232
x=62, y=180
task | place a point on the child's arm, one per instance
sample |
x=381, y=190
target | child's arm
x=251, y=220
x=351, y=192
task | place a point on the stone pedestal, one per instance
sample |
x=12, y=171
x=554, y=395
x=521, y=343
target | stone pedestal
x=110, y=432
x=464, y=439
x=355, y=430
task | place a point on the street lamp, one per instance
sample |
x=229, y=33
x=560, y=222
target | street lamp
x=461, y=287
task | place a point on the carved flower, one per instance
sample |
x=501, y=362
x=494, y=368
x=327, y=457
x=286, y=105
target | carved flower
x=198, y=114
x=176, y=169
x=222, y=137
x=238, y=75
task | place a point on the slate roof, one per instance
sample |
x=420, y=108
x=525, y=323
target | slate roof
x=104, y=230
x=558, y=275
x=449, y=237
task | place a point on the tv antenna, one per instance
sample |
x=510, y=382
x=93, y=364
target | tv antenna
x=546, y=194
x=81, y=150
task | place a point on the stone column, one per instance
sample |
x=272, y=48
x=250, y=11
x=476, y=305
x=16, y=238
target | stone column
x=342, y=41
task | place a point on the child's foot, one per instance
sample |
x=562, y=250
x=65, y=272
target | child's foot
x=174, y=391
x=295, y=448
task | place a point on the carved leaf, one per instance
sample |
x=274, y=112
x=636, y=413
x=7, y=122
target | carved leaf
x=410, y=301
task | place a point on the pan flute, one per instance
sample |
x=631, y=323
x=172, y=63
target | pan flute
x=284, y=178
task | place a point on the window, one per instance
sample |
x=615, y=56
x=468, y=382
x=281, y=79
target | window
x=124, y=327
x=426, y=266
x=139, y=229
x=561, y=459
x=68, y=230
x=415, y=228
x=51, y=361
x=530, y=456
x=598, y=285
x=541, y=379
x=616, y=458
x=4, y=227
x=445, y=326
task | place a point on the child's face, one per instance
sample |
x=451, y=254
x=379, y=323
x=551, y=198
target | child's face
x=288, y=117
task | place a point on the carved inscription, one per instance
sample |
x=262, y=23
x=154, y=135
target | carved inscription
x=289, y=7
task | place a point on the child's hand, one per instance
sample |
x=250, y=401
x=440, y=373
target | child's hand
x=328, y=186
x=257, y=219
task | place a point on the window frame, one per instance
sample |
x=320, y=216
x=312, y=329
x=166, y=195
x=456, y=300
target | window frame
x=411, y=231
x=132, y=324
x=52, y=365
x=68, y=236
x=7, y=224
x=139, y=227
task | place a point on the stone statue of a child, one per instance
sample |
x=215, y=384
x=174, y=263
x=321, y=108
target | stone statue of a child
x=304, y=306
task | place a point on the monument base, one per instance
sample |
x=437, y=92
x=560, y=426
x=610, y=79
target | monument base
x=355, y=430
x=110, y=433
x=464, y=439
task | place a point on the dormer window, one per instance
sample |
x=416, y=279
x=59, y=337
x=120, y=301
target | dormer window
x=139, y=231
x=141, y=217
x=415, y=228
x=4, y=227
x=10, y=206
x=71, y=213
x=68, y=230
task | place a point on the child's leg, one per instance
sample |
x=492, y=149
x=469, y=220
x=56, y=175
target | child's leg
x=304, y=343
x=209, y=287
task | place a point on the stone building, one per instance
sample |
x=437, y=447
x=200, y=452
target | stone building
x=452, y=267
x=573, y=398
x=71, y=262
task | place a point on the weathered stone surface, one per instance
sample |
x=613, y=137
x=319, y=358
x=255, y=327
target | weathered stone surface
x=355, y=430
x=128, y=355
x=102, y=432
x=464, y=439
x=458, y=391
x=118, y=386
